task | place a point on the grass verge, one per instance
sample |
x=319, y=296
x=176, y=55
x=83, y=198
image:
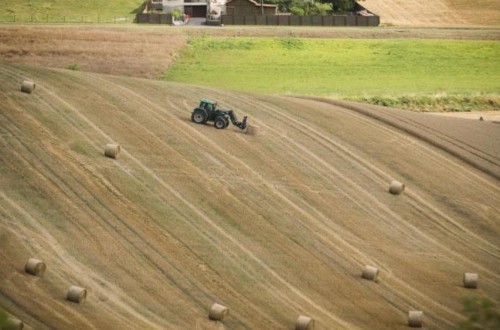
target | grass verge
x=437, y=75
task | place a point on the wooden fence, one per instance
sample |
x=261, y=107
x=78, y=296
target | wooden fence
x=154, y=18
x=288, y=20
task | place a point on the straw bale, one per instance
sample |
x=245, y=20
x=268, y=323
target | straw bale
x=35, y=267
x=218, y=312
x=28, y=86
x=396, y=187
x=112, y=150
x=76, y=294
x=304, y=323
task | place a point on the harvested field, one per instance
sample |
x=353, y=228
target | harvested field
x=436, y=13
x=273, y=226
x=125, y=51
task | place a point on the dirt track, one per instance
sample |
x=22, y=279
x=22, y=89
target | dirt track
x=272, y=225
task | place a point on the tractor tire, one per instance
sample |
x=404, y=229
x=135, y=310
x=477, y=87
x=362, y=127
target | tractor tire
x=199, y=116
x=220, y=122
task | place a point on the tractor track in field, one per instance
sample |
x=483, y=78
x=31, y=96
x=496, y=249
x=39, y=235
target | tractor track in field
x=380, y=177
x=220, y=229
x=294, y=212
x=103, y=218
x=432, y=136
x=56, y=180
x=197, y=211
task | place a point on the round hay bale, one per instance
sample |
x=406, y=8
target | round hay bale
x=415, y=319
x=304, y=323
x=470, y=280
x=28, y=86
x=76, y=294
x=12, y=324
x=112, y=150
x=251, y=130
x=396, y=187
x=35, y=267
x=218, y=312
x=370, y=273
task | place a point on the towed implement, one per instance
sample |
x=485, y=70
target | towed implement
x=207, y=111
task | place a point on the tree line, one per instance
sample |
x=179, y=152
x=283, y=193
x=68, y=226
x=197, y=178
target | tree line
x=314, y=7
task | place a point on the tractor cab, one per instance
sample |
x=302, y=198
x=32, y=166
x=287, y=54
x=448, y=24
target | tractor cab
x=208, y=105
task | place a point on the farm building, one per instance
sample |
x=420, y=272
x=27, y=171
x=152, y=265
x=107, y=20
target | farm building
x=193, y=8
x=202, y=8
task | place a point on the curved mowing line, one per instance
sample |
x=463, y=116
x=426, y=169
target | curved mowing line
x=418, y=135
x=220, y=229
x=383, y=177
x=207, y=219
x=71, y=262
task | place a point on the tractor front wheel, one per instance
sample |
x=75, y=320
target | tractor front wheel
x=220, y=122
x=199, y=116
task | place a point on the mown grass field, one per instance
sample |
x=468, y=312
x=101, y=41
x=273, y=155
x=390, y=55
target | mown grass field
x=70, y=8
x=462, y=75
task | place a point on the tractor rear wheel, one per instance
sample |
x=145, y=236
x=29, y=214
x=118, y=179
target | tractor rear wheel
x=220, y=122
x=199, y=116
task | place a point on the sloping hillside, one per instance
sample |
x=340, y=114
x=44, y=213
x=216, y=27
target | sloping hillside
x=436, y=13
x=272, y=225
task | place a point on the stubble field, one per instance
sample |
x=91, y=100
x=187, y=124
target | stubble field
x=272, y=225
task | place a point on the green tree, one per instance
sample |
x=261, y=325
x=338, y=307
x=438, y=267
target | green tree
x=341, y=5
x=306, y=8
x=284, y=6
x=481, y=314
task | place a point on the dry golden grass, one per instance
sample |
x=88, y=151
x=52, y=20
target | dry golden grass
x=437, y=13
x=273, y=226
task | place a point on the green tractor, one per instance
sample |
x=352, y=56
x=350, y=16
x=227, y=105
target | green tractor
x=207, y=111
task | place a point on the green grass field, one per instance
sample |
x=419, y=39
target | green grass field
x=42, y=8
x=418, y=74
